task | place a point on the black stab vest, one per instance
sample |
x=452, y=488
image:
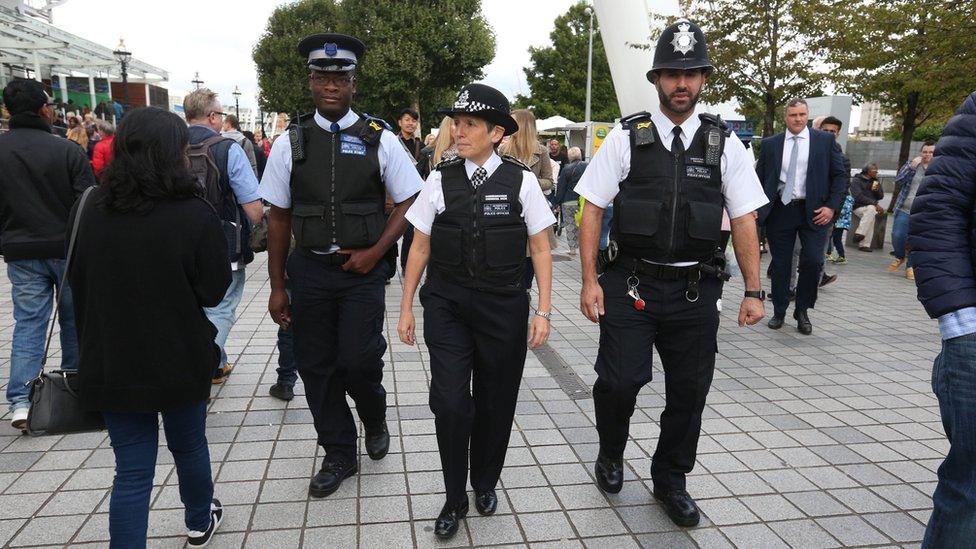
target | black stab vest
x=669, y=208
x=479, y=240
x=336, y=191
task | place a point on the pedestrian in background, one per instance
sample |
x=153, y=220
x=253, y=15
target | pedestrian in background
x=567, y=198
x=149, y=255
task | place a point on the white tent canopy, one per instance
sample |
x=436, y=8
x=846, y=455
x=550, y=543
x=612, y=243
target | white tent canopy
x=27, y=43
x=551, y=123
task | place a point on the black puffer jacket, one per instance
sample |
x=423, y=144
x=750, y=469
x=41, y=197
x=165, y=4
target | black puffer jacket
x=942, y=234
x=41, y=175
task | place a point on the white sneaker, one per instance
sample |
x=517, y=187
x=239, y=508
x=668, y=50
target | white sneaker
x=19, y=419
x=200, y=539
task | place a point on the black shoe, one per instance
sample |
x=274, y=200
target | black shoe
x=803, y=324
x=865, y=248
x=282, y=392
x=679, y=506
x=449, y=520
x=858, y=237
x=486, y=502
x=827, y=279
x=609, y=474
x=377, y=442
x=775, y=323
x=201, y=539
x=330, y=478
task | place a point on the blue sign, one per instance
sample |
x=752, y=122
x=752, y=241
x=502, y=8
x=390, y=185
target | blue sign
x=744, y=129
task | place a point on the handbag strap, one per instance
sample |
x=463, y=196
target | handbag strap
x=64, y=276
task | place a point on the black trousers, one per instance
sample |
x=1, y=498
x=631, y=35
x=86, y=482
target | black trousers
x=784, y=224
x=337, y=324
x=476, y=334
x=405, y=248
x=685, y=335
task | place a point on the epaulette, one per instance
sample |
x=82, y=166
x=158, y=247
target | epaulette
x=377, y=124
x=301, y=118
x=715, y=120
x=450, y=162
x=512, y=160
x=628, y=120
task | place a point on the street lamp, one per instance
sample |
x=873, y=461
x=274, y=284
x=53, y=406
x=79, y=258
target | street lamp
x=589, y=87
x=123, y=56
x=196, y=80
x=237, y=102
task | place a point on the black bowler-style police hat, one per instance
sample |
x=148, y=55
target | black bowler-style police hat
x=484, y=102
x=331, y=52
x=681, y=46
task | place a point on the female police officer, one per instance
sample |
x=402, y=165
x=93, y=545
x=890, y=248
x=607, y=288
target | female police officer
x=472, y=220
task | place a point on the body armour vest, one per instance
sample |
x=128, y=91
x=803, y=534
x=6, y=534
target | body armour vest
x=479, y=240
x=336, y=190
x=669, y=208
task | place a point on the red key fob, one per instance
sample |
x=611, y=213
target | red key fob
x=639, y=304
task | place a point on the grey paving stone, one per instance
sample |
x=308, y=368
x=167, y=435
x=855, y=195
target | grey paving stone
x=332, y=512
x=757, y=536
x=388, y=535
x=547, y=526
x=596, y=522
x=724, y=511
x=336, y=536
x=383, y=509
x=527, y=500
x=816, y=504
x=8, y=528
x=269, y=516
x=710, y=538
x=493, y=530
x=804, y=533
x=280, y=539
x=677, y=540
x=771, y=507
x=852, y=530
x=897, y=526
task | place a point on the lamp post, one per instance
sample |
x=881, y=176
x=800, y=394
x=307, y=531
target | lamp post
x=196, y=80
x=237, y=102
x=123, y=56
x=589, y=88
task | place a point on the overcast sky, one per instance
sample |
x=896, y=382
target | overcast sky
x=218, y=40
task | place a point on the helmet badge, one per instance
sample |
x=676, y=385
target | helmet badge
x=462, y=100
x=684, y=39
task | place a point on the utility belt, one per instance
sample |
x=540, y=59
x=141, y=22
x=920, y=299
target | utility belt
x=636, y=266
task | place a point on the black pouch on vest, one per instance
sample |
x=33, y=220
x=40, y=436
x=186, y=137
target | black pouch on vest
x=360, y=223
x=309, y=225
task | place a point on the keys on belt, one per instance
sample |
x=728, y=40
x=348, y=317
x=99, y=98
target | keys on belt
x=632, y=283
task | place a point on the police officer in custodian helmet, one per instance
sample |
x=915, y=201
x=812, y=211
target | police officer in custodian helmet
x=669, y=174
x=472, y=221
x=326, y=181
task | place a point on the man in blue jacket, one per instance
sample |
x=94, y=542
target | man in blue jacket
x=802, y=172
x=943, y=252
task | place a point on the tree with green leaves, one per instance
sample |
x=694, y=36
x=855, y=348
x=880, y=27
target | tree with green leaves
x=915, y=58
x=557, y=73
x=760, y=50
x=418, y=52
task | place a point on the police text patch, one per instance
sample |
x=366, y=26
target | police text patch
x=350, y=144
x=497, y=209
x=698, y=172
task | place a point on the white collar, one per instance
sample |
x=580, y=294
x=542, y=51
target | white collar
x=805, y=134
x=349, y=119
x=490, y=165
x=665, y=126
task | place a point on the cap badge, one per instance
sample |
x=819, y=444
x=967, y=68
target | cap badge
x=684, y=39
x=331, y=49
x=462, y=100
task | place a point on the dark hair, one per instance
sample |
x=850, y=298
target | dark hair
x=148, y=162
x=249, y=135
x=928, y=143
x=869, y=167
x=796, y=101
x=413, y=114
x=833, y=121
x=22, y=95
x=232, y=120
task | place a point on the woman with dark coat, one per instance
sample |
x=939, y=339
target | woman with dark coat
x=149, y=255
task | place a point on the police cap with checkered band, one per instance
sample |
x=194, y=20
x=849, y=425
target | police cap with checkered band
x=484, y=102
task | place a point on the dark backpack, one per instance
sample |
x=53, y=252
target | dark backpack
x=204, y=169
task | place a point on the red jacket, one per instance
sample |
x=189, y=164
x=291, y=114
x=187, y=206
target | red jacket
x=102, y=155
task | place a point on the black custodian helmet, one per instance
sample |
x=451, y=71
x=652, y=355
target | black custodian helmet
x=681, y=46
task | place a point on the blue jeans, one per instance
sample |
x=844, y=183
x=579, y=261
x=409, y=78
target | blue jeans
x=953, y=522
x=899, y=235
x=135, y=441
x=32, y=287
x=605, y=227
x=224, y=315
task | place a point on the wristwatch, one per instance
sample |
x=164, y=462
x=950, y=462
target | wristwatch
x=544, y=315
x=758, y=294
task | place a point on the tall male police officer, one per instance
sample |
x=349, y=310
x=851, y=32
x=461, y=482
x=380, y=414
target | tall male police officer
x=668, y=175
x=326, y=181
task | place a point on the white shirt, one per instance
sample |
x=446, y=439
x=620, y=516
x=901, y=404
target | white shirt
x=396, y=165
x=802, y=161
x=741, y=189
x=430, y=202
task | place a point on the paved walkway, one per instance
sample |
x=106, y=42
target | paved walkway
x=822, y=441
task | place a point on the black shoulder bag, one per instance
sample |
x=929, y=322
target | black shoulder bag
x=55, y=408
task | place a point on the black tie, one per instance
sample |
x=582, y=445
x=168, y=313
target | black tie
x=677, y=146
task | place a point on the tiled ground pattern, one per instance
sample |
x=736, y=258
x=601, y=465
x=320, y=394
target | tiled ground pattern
x=824, y=441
